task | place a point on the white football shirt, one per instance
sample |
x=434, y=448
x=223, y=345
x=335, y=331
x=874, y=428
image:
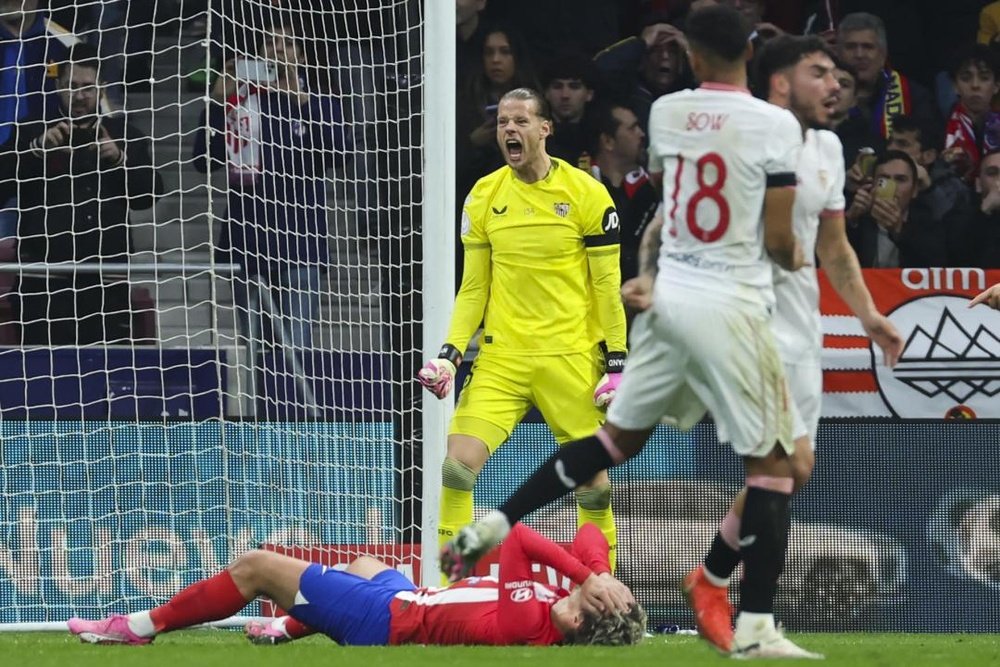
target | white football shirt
x=820, y=191
x=719, y=148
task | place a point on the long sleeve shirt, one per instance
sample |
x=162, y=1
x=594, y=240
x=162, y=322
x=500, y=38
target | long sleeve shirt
x=510, y=609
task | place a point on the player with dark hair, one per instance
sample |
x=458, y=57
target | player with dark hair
x=371, y=604
x=541, y=270
x=798, y=74
x=727, y=164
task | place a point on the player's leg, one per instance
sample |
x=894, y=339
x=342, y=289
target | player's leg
x=349, y=608
x=650, y=382
x=493, y=400
x=745, y=388
x=218, y=597
x=285, y=628
x=805, y=382
x=563, y=390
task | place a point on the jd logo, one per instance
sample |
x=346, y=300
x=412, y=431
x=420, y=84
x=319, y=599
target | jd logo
x=499, y=211
x=610, y=223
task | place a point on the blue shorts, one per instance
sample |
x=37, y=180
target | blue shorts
x=346, y=608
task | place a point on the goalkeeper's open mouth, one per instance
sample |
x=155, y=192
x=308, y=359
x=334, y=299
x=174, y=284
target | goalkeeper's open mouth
x=514, y=149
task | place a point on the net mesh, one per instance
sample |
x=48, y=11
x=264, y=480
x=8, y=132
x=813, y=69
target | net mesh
x=209, y=295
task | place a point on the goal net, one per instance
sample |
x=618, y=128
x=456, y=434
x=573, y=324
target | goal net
x=210, y=295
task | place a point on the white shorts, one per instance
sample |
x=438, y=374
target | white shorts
x=686, y=358
x=805, y=384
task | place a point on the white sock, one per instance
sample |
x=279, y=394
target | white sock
x=721, y=582
x=141, y=624
x=279, y=624
x=496, y=522
x=748, y=622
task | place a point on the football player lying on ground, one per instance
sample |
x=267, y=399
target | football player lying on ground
x=373, y=604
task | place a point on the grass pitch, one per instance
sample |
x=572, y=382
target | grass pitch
x=221, y=648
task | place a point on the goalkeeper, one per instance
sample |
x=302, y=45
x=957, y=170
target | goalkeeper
x=373, y=605
x=542, y=272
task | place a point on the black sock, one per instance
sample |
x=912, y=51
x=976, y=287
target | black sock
x=574, y=464
x=721, y=559
x=763, y=542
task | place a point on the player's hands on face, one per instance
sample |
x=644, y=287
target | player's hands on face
x=884, y=334
x=55, y=136
x=604, y=593
x=860, y=205
x=638, y=292
x=990, y=297
x=888, y=214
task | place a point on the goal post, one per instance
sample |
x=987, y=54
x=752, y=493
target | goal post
x=439, y=232
x=294, y=268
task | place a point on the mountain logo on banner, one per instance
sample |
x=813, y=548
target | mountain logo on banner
x=951, y=360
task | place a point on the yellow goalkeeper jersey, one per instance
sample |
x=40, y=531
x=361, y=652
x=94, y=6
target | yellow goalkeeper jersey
x=541, y=265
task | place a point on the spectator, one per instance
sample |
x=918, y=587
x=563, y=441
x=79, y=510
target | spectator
x=941, y=193
x=121, y=31
x=469, y=29
x=986, y=222
x=619, y=153
x=882, y=92
x=29, y=44
x=754, y=12
x=569, y=88
x=277, y=139
x=641, y=69
x=76, y=179
x=847, y=120
x=972, y=128
x=989, y=23
x=885, y=230
x=504, y=65
x=552, y=27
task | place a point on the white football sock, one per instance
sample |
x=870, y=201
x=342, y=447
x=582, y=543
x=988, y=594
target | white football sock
x=748, y=622
x=141, y=624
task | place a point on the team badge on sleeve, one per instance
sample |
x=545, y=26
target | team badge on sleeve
x=466, y=223
x=610, y=223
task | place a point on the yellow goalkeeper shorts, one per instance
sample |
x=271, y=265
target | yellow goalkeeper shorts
x=500, y=390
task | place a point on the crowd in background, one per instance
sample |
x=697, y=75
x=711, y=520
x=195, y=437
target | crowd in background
x=915, y=112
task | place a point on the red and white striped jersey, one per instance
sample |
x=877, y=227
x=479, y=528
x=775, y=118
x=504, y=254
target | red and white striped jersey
x=511, y=609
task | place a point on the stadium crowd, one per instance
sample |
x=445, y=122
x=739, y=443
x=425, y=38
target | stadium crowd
x=915, y=110
x=917, y=124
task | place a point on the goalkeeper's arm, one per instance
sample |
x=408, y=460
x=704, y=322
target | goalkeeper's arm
x=605, y=277
x=438, y=374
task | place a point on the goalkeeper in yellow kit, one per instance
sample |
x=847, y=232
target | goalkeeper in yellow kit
x=541, y=272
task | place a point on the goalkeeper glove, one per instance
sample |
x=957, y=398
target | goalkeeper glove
x=438, y=375
x=607, y=386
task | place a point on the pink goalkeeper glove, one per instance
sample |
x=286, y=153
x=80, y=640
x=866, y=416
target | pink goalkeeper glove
x=607, y=386
x=438, y=375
